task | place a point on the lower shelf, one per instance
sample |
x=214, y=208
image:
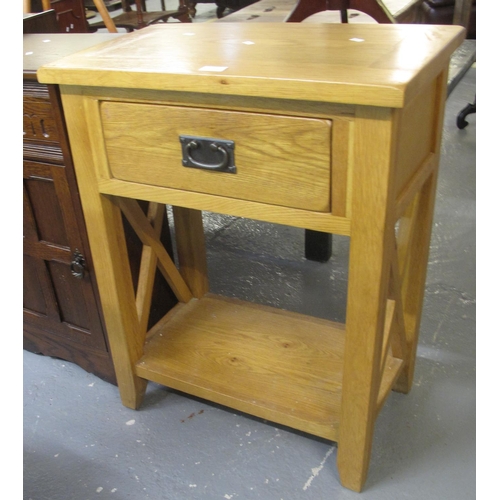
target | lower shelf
x=277, y=365
x=280, y=366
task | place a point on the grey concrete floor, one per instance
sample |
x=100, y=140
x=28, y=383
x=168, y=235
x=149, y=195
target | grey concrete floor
x=81, y=443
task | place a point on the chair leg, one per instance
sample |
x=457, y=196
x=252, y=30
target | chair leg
x=318, y=245
x=220, y=10
x=461, y=121
x=106, y=18
x=191, y=8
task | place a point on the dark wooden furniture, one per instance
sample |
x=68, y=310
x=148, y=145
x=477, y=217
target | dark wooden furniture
x=109, y=4
x=41, y=22
x=70, y=15
x=373, y=8
x=462, y=12
x=278, y=11
x=222, y=5
x=62, y=312
x=134, y=19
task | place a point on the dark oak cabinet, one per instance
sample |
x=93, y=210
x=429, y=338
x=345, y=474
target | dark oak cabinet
x=61, y=309
x=70, y=15
x=62, y=312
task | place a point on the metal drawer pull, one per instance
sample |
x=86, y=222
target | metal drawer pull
x=213, y=147
x=78, y=265
x=208, y=154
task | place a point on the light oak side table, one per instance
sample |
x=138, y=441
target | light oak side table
x=335, y=128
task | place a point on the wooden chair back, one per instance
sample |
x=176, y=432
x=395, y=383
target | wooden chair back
x=140, y=18
x=373, y=8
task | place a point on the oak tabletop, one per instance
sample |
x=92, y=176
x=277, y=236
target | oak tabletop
x=369, y=64
x=40, y=49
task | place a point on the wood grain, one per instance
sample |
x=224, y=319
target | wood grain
x=287, y=368
x=282, y=366
x=371, y=248
x=190, y=241
x=385, y=69
x=147, y=270
x=231, y=206
x=147, y=234
x=279, y=160
x=112, y=267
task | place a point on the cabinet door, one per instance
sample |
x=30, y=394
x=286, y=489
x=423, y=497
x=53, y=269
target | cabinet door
x=54, y=298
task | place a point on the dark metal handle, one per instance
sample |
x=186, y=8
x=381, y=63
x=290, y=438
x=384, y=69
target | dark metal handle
x=205, y=153
x=78, y=265
x=222, y=165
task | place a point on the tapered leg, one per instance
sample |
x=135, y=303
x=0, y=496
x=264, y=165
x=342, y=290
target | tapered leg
x=413, y=279
x=371, y=251
x=117, y=297
x=419, y=229
x=190, y=241
x=109, y=252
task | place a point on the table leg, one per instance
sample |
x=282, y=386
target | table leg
x=382, y=273
x=190, y=242
x=413, y=271
x=109, y=252
x=371, y=251
x=414, y=252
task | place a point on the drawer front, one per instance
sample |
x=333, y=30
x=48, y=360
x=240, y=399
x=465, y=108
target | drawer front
x=279, y=160
x=41, y=136
x=39, y=123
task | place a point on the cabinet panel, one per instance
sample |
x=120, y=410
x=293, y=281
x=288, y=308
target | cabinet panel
x=38, y=121
x=69, y=308
x=45, y=210
x=33, y=297
x=71, y=300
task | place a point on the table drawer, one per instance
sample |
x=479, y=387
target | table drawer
x=280, y=160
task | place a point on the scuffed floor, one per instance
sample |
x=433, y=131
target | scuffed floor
x=81, y=443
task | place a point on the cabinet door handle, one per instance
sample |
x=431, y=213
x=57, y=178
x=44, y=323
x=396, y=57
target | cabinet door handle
x=78, y=265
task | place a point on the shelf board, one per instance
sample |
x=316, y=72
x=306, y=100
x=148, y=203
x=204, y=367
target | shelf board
x=277, y=365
